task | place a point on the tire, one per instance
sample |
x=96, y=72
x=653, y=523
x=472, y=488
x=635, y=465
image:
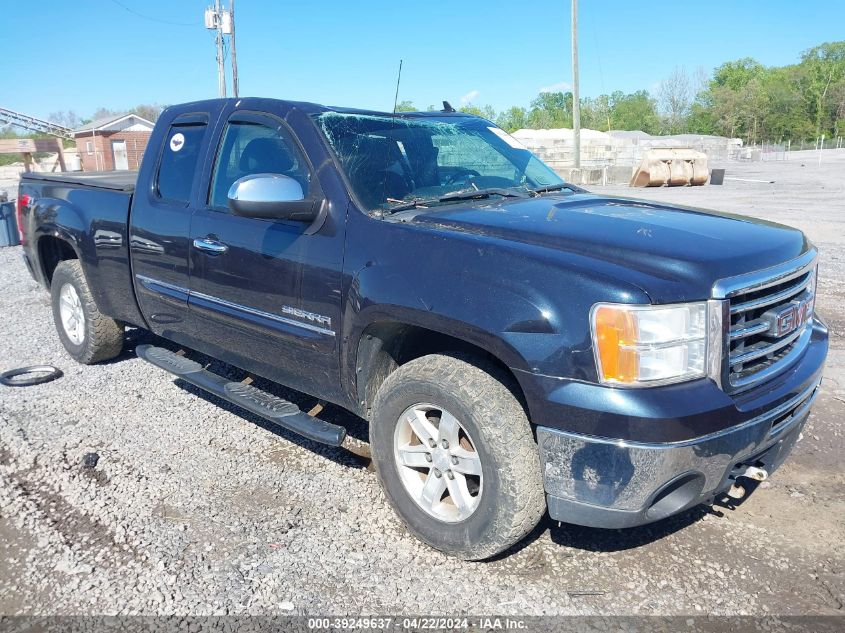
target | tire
x=509, y=498
x=93, y=338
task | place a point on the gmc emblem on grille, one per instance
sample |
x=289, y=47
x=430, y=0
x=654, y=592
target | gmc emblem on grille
x=790, y=318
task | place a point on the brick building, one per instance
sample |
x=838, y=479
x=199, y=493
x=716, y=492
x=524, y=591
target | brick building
x=114, y=142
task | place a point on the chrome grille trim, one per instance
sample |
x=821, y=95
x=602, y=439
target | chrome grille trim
x=749, y=330
x=760, y=279
x=764, y=350
x=745, y=327
x=775, y=368
x=768, y=300
x=718, y=321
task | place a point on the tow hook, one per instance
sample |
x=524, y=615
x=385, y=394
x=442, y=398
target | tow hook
x=737, y=491
x=758, y=474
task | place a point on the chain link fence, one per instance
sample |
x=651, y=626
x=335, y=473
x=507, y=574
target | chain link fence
x=626, y=148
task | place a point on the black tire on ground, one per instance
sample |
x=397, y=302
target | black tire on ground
x=103, y=336
x=512, y=500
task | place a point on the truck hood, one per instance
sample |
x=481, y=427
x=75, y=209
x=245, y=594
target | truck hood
x=672, y=253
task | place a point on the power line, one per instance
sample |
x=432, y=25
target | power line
x=151, y=18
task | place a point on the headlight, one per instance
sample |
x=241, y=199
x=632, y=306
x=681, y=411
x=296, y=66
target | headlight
x=646, y=345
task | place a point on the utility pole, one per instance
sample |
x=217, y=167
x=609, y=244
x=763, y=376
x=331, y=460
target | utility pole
x=234, y=52
x=576, y=99
x=218, y=20
x=221, y=68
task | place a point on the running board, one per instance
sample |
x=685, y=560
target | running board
x=273, y=409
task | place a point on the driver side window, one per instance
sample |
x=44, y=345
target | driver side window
x=252, y=148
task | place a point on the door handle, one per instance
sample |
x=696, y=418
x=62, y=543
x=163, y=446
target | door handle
x=210, y=246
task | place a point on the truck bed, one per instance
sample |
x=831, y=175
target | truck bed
x=112, y=180
x=91, y=210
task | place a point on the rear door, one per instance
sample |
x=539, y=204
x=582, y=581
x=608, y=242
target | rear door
x=160, y=221
x=247, y=273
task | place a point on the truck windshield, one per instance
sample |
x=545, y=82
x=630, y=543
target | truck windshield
x=397, y=162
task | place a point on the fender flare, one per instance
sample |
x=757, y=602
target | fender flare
x=363, y=352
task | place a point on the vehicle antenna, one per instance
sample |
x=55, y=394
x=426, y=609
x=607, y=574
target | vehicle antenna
x=396, y=96
x=390, y=139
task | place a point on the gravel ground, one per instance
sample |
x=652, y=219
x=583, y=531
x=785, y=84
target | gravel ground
x=194, y=507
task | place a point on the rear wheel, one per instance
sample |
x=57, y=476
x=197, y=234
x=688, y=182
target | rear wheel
x=87, y=335
x=456, y=456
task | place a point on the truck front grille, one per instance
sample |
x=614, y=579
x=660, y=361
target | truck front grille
x=770, y=323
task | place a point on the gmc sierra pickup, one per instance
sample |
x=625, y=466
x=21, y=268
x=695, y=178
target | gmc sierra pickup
x=517, y=344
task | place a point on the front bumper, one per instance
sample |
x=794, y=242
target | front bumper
x=619, y=482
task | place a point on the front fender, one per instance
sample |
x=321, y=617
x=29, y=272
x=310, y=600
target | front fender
x=380, y=295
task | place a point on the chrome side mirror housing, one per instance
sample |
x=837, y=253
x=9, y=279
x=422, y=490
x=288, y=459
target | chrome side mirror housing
x=271, y=196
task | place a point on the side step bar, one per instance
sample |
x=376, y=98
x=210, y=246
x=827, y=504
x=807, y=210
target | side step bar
x=276, y=410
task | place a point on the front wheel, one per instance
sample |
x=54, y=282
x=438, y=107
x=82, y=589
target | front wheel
x=88, y=335
x=455, y=454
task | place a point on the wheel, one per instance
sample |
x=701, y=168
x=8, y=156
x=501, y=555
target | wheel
x=88, y=336
x=456, y=456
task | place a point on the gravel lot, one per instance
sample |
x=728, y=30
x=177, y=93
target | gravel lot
x=198, y=508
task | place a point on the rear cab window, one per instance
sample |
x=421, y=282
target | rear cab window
x=179, y=159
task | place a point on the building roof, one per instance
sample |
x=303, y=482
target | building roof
x=109, y=121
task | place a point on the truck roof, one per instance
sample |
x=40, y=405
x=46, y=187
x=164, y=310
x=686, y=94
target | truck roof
x=312, y=108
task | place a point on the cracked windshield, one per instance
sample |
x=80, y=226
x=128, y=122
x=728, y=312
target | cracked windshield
x=402, y=162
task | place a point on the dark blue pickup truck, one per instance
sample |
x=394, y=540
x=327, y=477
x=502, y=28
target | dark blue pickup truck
x=517, y=344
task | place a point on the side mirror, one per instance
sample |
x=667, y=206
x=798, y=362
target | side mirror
x=271, y=196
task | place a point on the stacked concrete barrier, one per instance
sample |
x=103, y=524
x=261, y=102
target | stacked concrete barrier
x=611, y=157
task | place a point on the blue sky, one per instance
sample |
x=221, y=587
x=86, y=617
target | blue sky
x=85, y=54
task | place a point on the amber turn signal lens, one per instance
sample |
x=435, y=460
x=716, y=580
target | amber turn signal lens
x=616, y=338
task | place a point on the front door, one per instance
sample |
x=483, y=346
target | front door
x=247, y=273
x=121, y=159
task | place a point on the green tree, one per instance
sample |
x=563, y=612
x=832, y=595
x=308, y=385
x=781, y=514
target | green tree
x=701, y=119
x=405, y=106
x=782, y=105
x=675, y=98
x=595, y=113
x=67, y=118
x=821, y=70
x=635, y=111
x=149, y=111
x=735, y=75
x=551, y=110
x=513, y=119
x=485, y=112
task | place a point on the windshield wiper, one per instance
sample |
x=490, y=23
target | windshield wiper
x=467, y=194
x=472, y=194
x=558, y=187
x=416, y=203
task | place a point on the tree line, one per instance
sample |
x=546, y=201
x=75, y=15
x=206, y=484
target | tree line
x=71, y=119
x=741, y=98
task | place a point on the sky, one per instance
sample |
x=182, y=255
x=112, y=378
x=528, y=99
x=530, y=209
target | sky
x=86, y=54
